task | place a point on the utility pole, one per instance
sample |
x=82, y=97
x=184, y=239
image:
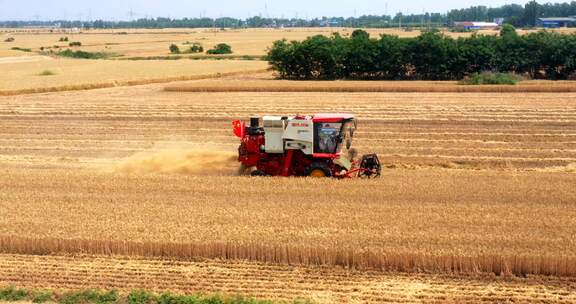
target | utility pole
x=535, y=5
x=422, y=19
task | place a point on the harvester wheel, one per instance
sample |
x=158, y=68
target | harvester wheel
x=244, y=171
x=258, y=173
x=318, y=170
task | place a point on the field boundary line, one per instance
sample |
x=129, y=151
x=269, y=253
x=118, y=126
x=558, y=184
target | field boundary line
x=125, y=83
x=351, y=88
x=363, y=259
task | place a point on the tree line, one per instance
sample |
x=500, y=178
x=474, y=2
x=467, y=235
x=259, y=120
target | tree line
x=430, y=56
x=517, y=15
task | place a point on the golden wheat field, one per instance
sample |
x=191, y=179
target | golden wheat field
x=136, y=187
x=24, y=77
x=140, y=56
x=142, y=43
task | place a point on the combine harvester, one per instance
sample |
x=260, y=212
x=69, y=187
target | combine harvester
x=303, y=146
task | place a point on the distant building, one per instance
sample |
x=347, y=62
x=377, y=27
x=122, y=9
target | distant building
x=556, y=22
x=329, y=23
x=473, y=25
x=499, y=21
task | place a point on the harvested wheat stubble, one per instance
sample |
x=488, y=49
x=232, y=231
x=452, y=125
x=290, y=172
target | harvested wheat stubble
x=370, y=86
x=56, y=193
x=478, y=131
x=275, y=282
x=446, y=222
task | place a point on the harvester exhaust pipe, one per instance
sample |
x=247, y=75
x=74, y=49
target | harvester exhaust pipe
x=255, y=128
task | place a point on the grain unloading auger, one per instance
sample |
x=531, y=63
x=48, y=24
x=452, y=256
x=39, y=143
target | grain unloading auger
x=317, y=146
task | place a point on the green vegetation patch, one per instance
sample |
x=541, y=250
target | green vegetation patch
x=42, y=297
x=220, y=49
x=194, y=48
x=174, y=49
x=47, y=73
x=13, y=294
x=92, y=296
x=21, y=49
x=84, y=55
x=198, y=57
x=143, y=297
x=491, y=78
x=97, y=296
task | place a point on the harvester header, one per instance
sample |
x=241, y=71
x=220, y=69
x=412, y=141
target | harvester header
x=315, y=145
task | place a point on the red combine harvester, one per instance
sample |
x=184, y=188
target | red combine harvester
x=317, y=146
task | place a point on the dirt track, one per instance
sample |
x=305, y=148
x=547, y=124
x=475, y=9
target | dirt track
x=22, y=59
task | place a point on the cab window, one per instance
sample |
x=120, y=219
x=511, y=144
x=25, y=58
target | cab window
x=327, y=137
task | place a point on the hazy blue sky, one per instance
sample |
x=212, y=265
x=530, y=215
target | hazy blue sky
x=120, y=9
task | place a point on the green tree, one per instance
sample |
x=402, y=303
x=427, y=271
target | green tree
x=358, y=56
x=508, y=29
x=550, y=54
x=360, y=34
x=280, y=59
x=511, y=53
x=319, y=55
x=196, y=48
x=174, y=49
x=531, y=13
x=476, y=54
x=431, y=55
x=391, y=62
x=566, y=52
x=220, y=49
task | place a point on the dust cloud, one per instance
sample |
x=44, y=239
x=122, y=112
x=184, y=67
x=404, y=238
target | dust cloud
x=205, y=162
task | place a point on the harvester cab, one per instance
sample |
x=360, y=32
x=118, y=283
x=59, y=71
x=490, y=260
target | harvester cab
x=317, y=146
